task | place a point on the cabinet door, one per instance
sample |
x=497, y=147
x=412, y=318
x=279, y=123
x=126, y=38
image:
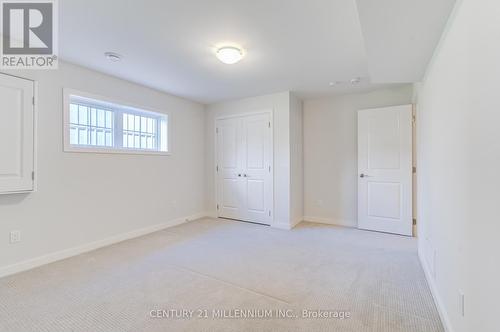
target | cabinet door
x=16, y=134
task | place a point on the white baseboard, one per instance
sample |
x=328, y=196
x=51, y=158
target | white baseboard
x=66, y=253
x=211, y=214
x=274, y=224
x=443, y=314
x=297, y=221
x=330, y=221
x=284, y=226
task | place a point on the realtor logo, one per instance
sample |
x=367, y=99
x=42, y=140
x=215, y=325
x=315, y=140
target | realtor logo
x=29, y=34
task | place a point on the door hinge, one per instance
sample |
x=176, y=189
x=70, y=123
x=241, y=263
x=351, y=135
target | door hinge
x=33, y=175
x=33, y=100
x=216, y=130
x=217, y=206
x=217, y=168
x=269, y=213
x=414, y=221
x=413, y=119
x=269, y=124
x=414, y=169
x=269, y=168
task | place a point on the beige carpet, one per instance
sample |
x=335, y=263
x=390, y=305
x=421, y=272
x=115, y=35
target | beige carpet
x=222, y=270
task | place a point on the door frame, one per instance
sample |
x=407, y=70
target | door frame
x=269, y=112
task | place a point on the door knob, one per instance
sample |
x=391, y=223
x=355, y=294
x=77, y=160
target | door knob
x=364, y=176
x=245, y=175
x=239, y=175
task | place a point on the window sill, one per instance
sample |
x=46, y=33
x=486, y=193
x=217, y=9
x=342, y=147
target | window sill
x=75, y=149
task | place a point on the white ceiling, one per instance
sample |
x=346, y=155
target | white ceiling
x=401, y=35
x=295, y=45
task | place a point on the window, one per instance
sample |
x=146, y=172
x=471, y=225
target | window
x=96, y=125
x=139, y=132
x=90, y=125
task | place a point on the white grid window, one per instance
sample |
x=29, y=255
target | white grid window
x=90, y=126
x=140, y=132
x=95, y=125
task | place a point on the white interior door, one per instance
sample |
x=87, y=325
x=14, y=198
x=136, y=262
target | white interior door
x=244, y=174
x=385, y=169
x=16, y=134
x=229, y=184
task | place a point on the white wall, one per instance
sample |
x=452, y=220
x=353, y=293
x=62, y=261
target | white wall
x=83, y=198
x=330, y=152
x=296, y=161
x=279, y=103
x=459, y=163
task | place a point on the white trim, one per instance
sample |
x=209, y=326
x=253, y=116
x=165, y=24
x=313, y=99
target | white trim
x=75, y=149
x=330, y=221
x=212, y=214
x=67, y=147
x=443, y=314
x=287, y=226
x=297, y=221
x=270, y=112
x=35, y=136
x=282, y=225
x=66, y=253
x=244, y=114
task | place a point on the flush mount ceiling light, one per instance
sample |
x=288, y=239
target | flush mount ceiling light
x=332, y=84
x=229, y=54
x=356, y=81
x=113, y=57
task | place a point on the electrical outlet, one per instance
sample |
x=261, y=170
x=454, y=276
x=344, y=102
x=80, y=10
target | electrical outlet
x=434, y=256
x=461, y=303
x=15, y=236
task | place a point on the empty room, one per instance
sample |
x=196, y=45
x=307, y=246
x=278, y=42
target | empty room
x=249, y=165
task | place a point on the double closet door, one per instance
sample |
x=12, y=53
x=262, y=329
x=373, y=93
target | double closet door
x=244, y=168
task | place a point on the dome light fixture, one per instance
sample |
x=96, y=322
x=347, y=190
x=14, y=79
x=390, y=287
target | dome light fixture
x=229, y=54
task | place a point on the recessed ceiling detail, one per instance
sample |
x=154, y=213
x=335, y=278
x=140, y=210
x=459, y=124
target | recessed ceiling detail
x=401, y=35
x=297, y=47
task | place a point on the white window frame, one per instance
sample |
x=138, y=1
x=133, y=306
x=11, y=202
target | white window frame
x=123, y=106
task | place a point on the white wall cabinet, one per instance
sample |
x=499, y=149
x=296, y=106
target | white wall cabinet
x=17, y=126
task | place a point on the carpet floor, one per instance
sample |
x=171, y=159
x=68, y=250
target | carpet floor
x=219, y=275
